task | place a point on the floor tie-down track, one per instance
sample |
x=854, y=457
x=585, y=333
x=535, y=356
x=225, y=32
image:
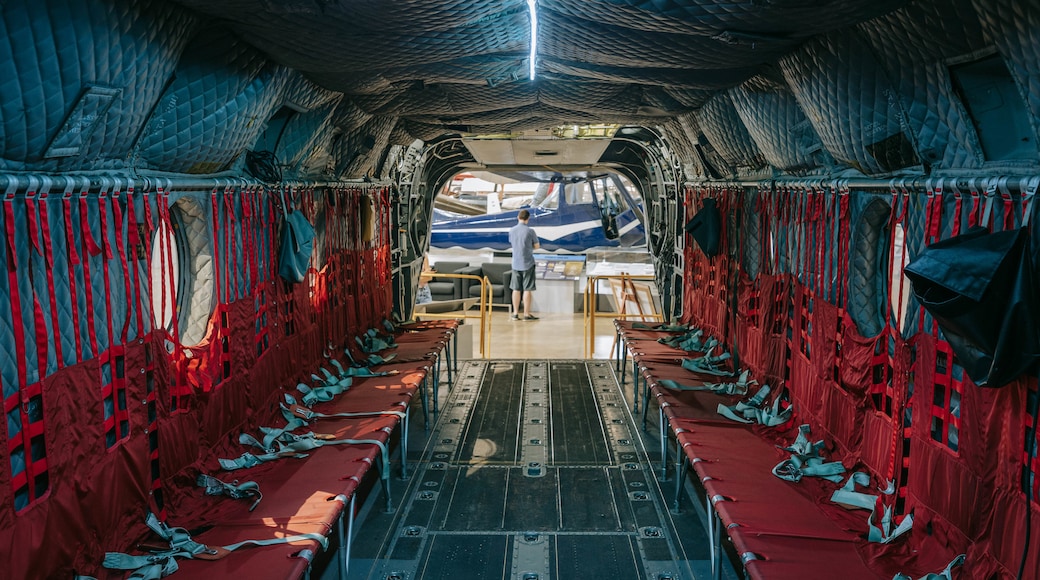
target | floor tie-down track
x=534, y=470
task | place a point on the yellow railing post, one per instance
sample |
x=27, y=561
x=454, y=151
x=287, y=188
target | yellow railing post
x=490, y=294
x=485, y=321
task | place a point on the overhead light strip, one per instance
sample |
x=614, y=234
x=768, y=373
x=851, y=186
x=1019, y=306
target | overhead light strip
x=534, y=36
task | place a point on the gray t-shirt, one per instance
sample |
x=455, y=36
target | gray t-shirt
x=523, y=239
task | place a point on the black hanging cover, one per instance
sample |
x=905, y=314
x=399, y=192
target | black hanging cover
x=979, y=288
x=706, y=228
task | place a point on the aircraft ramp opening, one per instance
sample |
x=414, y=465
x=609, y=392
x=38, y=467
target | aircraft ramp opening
x=534, y=470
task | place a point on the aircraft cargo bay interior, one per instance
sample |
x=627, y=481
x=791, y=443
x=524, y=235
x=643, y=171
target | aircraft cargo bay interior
x=520, y=289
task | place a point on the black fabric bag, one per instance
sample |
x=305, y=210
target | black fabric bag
x=706, y=228
x=979, y=288
x=295, y=244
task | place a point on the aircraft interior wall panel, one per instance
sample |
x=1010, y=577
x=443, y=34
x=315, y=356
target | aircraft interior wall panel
x=602, y=98
x=304, y=134
x=708, y=17
x=349, y=116
x=303, y=93
x=728, y=134
x=913, y=45
x=379, y=130
x=452, y=99
x=219, y=101
x=417, y=33
x=1013, y=26
x=597, y=42
x=777, y=125
x=475, y=71
x=680, y=145
x=844, y=93
x=954, y=459
x=95, y=389
x=707, y=155
x=51, y=57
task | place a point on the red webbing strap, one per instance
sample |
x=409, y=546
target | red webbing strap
x=72, y=260
x=902, y=216
x=17, y=322
x=39, y=323
x=1028, y=195
x=893, y=385
x=107, y=255
x=162, y=201
x=230, y=283
x=34, y=464
x=820, y=238
x=21, y=399
x=958, y=210
x=783, y=237
x=179, y=390
x=1009, y=206
x=844, y=229
x=231, y=264
x=114, y=354
x=154, y=224
x=897, y=216
x=90, y=248
x=48, y=249
x=933, y=221
x=219, y=347
x=957, y=213
x=933, y=231
x=117, y=216
x=829, y=227
x=133, y=236
x=973, y=215
x=249, y=229
x=354, y=274
x=217, y=270
x=940, y=402
x=152, y=230
x=337, y=264
x=1031, y=463
x=803, y=228
x=271, y=221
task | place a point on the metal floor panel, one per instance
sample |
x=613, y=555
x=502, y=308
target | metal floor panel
x=490, y=433
x=577, y=426
x=534, y=470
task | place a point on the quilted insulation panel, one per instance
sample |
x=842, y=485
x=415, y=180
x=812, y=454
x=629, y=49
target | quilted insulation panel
x=186, y=86
x=777, y=124
x=851, y=102
x=52, y=54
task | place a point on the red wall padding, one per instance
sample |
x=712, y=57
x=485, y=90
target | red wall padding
x=792, y=328
x=263, y=336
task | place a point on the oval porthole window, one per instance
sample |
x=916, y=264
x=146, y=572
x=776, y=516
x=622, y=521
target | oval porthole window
x=165, y=277
x=867, y=268
x=182, y=272
x=899, y=292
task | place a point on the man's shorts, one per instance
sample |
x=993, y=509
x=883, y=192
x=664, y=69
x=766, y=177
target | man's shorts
x=522, y=280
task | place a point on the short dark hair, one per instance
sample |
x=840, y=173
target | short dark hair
x=524, y=215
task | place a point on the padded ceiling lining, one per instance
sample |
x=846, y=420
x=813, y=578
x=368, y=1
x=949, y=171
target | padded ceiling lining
x=463, y=63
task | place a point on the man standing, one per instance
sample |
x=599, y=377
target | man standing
x=524, y=242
